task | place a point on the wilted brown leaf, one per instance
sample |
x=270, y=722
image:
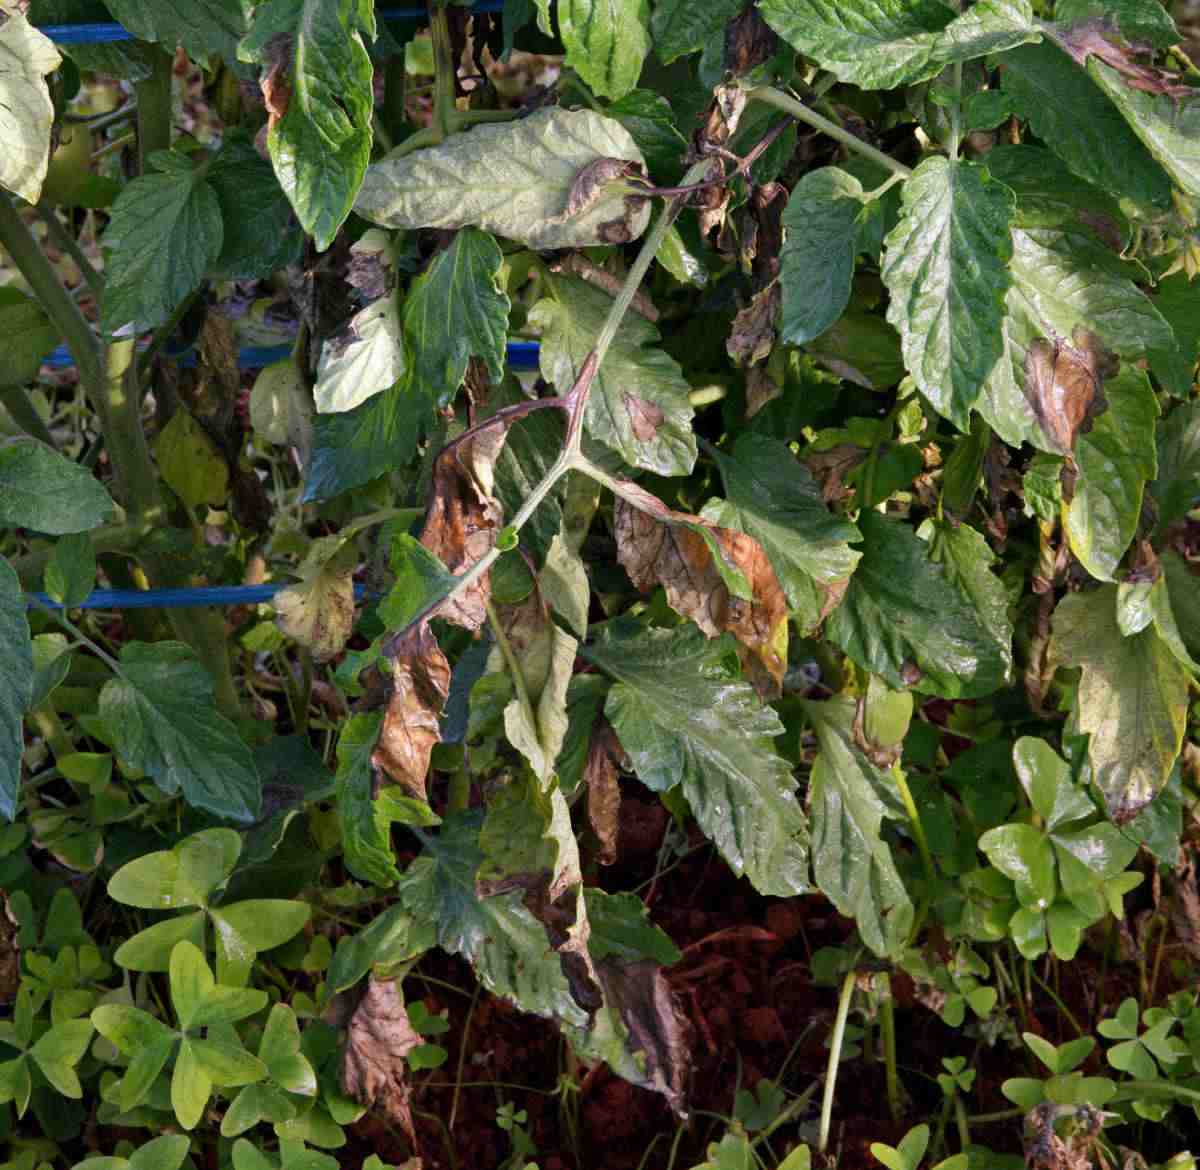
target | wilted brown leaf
x=373, y=1066
x=1093, y=39
x=761, y=388
x=1063, y=383
x=10, y=953
x=604, y=793
x=642, y=997
x=749, y=41
x=753, y=334
x=658, y=546
x=591, y=180
x=420, y=685
x=463, y=518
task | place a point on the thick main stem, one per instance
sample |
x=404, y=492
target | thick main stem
x=154, y=106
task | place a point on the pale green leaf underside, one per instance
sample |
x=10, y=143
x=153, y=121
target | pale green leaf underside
x=684, y=720
x=852, y=864
x=879, y=44
x=1132, y=699
x=513, y=179
x=365, y=358
x=26, y=111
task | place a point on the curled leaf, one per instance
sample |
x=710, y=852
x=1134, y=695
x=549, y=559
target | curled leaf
x=718, y=577
x=604, y=793
x=373, y=1062
x=1063, y=382
x=319, y=611
x=420, y=686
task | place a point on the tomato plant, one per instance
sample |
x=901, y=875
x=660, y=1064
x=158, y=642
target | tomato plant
x=765, y=431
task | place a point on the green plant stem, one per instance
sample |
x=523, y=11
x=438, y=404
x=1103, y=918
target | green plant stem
x=153, y=96
x=887, y=1032
x=68, y=243
x=124, y=438
x=16, y=400
x=444, y=72
x=999, y=1115
x=569, y=458
x=962, y=1122
x=918, y=832
x=801, y=112
x=835, y=1056
x=18, y=241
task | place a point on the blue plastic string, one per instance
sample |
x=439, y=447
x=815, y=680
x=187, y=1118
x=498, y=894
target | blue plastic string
x=173, y=598
x=522, y=355
x=105, y=32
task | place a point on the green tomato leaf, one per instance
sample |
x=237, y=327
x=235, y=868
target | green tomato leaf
x=161, y=715
x=29, y=335
x=71, y=570
x=161, y=1153
x=946, y=267
x=772, y=497
x=606, y=40
x=394, y=937
x=967, y=559
x=874, y=44
x=16, y=685
x=822, y=220
x=1168, y=124
x=205, y=28
x=1064, y=278
x=1072, y=115
x=1115, y=459
x=639, y=400
x=1047, y=782
x=320, y=81
x=164, y=232
x=45, y=491
x=191, y=462
x=903, y=610
x=515, y=179
x=1132, y=699
x=852, y=864
x=681, y=27
x=1177, y=486
x=26, y=110
x=684, y=719
x=1102, y=849
x=454, y=311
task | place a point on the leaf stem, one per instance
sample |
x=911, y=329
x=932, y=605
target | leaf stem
x=922, y=842
x=801, y=112
x=887, y=1032
x=84, y=346
x=15, y=399
x=59, y=616
x=835, y=1056
x=69, y=244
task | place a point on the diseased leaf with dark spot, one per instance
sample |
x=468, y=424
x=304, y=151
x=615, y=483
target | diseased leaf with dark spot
x=1063, y=381
x=420, y=684
x=319, y=611
x=719, y=577
x=604, y=792
x=380, y=1036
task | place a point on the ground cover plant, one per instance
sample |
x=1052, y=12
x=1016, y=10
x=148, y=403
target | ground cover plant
x=728, y=502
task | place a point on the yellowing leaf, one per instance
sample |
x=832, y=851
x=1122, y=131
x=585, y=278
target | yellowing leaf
x=190, y=462
x=319, y=611
x=1132, y=699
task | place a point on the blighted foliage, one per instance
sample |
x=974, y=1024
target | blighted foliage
x=848, y=512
